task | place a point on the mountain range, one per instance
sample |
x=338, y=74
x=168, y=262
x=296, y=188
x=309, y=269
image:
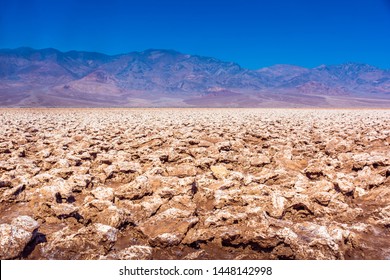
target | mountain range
x=167, y=78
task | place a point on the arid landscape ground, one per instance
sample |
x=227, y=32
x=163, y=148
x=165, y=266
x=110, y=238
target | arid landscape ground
x=194, y=184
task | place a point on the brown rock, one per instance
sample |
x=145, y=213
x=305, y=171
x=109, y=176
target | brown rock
x=135, y=252
x=129, y=167
x=86, y=243
x=168, y=228
x=219, y=171
x=181, y=171
x=15, y=236
x=134, y=190
x=345, y=186
x=259, y=160
x=103, y=193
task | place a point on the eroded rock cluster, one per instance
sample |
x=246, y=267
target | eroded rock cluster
x=194, y=184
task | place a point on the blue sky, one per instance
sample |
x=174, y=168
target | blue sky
x=253, y=33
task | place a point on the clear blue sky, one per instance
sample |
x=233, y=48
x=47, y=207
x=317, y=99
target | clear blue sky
x=253, y=33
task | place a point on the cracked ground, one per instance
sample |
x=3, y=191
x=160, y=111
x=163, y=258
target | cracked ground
x=194, y=184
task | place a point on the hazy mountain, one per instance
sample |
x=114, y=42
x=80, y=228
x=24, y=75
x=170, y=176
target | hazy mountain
x=48, y=77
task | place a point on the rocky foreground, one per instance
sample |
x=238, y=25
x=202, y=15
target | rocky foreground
x=194, y=184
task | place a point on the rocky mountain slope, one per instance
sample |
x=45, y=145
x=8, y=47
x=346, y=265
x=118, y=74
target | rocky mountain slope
x=48, y=77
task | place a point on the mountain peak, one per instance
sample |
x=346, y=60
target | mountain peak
x=348, y=65
x=161, y=51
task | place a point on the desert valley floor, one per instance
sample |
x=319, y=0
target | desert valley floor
x=194, y=184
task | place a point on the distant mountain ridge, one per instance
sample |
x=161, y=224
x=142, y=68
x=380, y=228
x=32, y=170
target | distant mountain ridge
x=163, y=78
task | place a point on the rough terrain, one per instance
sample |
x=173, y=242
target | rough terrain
x=194, y=184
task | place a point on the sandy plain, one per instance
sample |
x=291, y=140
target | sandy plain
x=194, y=184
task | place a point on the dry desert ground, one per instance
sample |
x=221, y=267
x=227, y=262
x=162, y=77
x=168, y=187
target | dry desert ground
x=194, y=184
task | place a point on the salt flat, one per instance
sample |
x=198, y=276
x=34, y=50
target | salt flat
x=194, y=184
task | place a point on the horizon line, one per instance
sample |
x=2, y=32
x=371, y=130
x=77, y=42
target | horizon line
x=204, y=56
